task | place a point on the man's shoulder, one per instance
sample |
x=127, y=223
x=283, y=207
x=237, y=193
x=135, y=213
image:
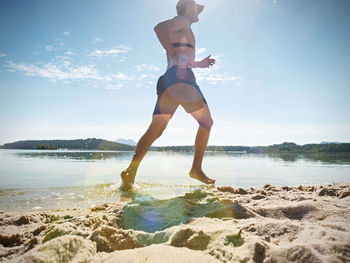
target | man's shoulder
x=180, y=20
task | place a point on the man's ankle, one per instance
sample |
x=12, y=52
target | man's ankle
x=132, y=168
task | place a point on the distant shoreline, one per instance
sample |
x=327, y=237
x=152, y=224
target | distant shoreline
x=105, y=145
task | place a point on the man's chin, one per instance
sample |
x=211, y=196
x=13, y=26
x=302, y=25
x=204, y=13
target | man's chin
x=194, y=19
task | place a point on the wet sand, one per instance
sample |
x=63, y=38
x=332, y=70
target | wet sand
x=223, y=224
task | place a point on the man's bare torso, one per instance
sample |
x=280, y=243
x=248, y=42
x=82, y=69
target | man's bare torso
x=180, y=32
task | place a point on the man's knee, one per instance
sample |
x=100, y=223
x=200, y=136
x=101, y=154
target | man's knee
x=160, y=130
x=206, y=123
x=157, y=128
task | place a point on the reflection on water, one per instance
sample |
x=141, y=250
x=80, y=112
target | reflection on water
x=76, y=155
x=42, y=179
x=333, y=158
x=326, y=158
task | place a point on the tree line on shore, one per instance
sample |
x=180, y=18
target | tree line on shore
x=105, y=145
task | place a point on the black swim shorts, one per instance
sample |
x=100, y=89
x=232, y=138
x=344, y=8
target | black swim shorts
x=178, y=86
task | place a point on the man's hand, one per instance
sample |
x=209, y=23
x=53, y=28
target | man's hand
x=204, y=63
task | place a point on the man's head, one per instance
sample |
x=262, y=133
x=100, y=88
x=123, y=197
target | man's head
x=190, y=9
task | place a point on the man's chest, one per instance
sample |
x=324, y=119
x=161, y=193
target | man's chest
x=185, y=34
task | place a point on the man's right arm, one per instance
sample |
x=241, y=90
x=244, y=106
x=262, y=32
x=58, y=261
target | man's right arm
x=162, y=32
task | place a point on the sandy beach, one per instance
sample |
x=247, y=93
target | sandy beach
x=223, y=224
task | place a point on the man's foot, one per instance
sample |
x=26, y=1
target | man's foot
x=200, y=176
x=128, y=178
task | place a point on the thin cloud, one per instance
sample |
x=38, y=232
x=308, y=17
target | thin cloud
x=66, y=64
x=2, y=55
x=117, y=86
x=66, y=33
x=49, y=48
x=65, y=72
x=54, y=72
x=216, y=75
x=69, y=53
x=143, y=67
x=97, y=40
x=119, y=76
x=62, y=68
x=200, y=51
x=111, y=52
x=143, y=76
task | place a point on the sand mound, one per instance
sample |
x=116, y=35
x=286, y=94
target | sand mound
x=67, y=248
x=271, y=224
x=158, y=254
x=109, y=239
x=57, y=230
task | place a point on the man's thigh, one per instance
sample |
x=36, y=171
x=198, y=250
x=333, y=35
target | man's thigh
x=202, y=114
x=165, y=105
x=160, y=120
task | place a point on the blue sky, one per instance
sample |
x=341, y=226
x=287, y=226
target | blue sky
x=80, y=69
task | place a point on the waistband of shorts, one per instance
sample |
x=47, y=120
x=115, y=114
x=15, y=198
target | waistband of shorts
x=176, y=66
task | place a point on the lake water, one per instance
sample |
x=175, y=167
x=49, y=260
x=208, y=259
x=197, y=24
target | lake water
x=43, y=179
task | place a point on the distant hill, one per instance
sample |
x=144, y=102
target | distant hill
x=78, y=144
x=100, y=144
x=126, y=141
x=286, y=147
x=325, y=142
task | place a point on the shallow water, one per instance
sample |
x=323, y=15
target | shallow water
x=41, y=179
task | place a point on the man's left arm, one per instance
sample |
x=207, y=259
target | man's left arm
x=204, y=63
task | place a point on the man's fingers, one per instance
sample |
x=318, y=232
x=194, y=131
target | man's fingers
x=212, y=60
x=209, y=61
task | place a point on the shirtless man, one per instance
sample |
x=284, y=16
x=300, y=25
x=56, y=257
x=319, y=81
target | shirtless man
x=177, y=86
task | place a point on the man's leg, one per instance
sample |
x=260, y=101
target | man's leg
x=205, y=122
x=154, y=131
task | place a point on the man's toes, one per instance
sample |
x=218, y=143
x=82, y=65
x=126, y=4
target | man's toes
x=211, y=181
